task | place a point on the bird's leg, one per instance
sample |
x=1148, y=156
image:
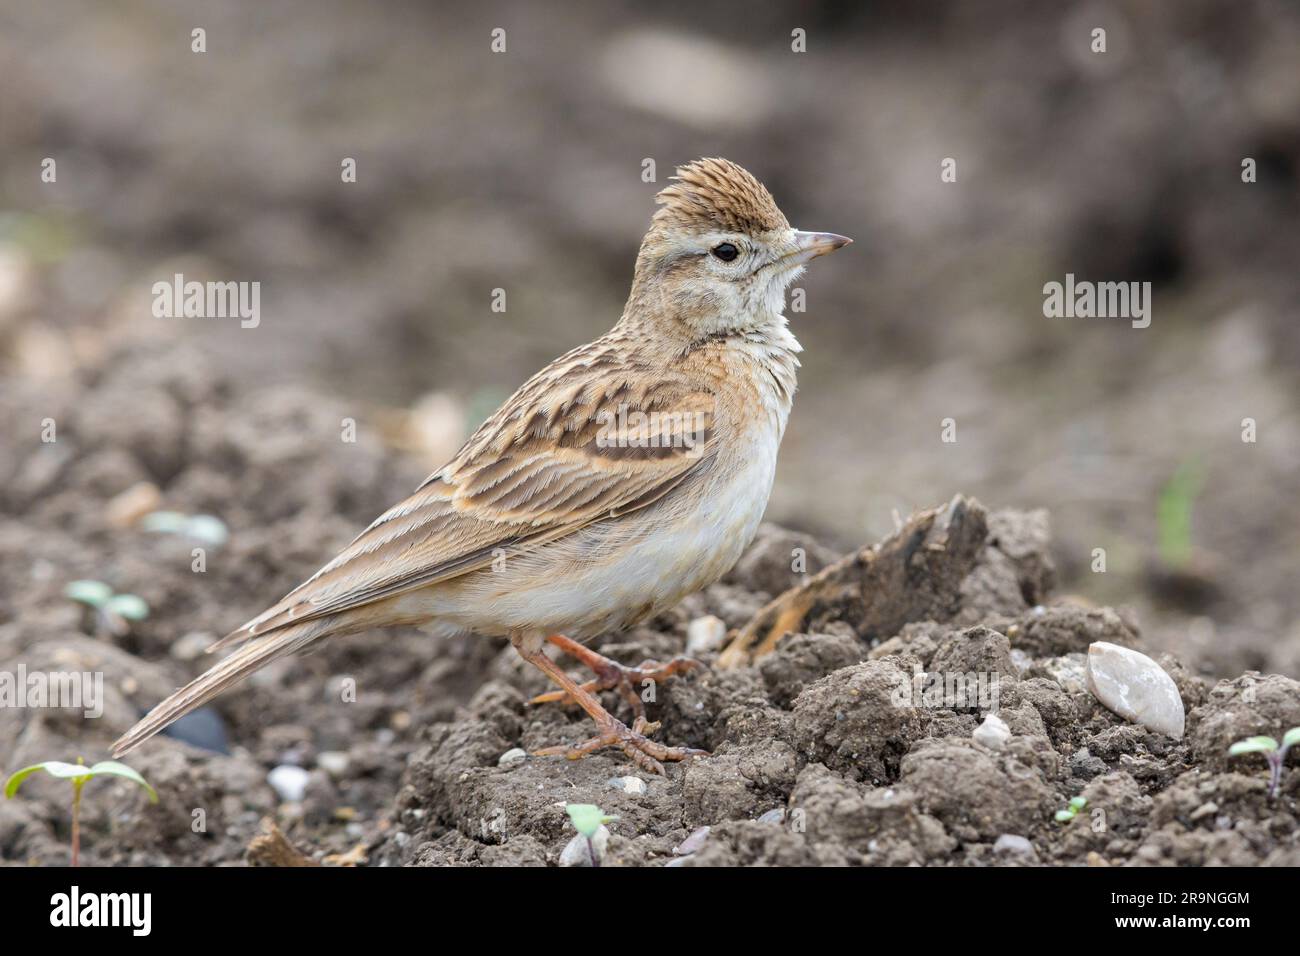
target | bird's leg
x=611, y=675
x=644, y=752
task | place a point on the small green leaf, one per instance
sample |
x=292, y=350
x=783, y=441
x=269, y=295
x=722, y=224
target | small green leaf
x=165, y=522
x=1064, y=816
x=94, y=593
x=587, y=818
x=211, y=531
x=128, y=606
x=1078, y=803
x=56, y=768
x=1292, y=737
x=1252, y=745
x=115, y=769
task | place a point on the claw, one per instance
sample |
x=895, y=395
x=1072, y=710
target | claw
x=647, y=754
x=641, y=750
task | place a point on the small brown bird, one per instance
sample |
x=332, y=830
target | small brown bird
x=625, y=475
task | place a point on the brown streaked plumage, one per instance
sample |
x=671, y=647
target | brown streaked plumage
x=626, y=474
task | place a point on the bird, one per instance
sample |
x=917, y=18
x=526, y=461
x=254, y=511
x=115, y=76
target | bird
x=627, y=474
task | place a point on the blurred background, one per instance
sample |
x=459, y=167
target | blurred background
x=522, y=170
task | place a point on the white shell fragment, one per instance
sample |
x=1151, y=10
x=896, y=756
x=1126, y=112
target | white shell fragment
x=1135, y=687
x=993, y=733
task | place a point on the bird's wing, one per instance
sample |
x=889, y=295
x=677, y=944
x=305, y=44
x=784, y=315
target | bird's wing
x=588, y=438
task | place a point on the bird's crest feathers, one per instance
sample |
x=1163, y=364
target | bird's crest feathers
x=717, y=195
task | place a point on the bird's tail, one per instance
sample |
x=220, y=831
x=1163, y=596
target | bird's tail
x=253, y=656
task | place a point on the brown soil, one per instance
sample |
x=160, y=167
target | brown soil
x=814, y=760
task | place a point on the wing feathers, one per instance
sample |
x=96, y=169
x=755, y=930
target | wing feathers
x=540, y=468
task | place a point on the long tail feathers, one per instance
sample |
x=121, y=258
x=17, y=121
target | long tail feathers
x=228, y=672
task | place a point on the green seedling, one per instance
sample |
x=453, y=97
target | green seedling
x=79, y=775
x=113, y=612
x=1273, y=752
x=204, y=529
x=587, y=820
x=1174, y=515
x=1072, y=810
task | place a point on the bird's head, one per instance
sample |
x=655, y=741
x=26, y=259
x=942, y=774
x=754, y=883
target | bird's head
x=720, y=254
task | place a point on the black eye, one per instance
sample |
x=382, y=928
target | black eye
x=725, y=251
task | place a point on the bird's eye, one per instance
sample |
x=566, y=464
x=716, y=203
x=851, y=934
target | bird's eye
x=725, y=251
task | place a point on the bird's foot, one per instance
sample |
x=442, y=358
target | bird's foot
x=647, y=754
x=611, y=675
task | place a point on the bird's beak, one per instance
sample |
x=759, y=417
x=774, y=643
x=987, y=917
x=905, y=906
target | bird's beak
x=810, y=245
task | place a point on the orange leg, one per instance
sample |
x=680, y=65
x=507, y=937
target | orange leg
x=645, y=753
x=611, y=675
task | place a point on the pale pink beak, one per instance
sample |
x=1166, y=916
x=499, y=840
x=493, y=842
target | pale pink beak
x=810, y=245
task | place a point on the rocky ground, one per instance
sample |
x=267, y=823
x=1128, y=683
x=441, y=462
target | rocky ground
x=821, y=751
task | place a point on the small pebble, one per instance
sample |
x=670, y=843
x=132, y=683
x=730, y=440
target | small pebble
x=333, y=762
x=632, y=785
x=776, y=815
x=577, y=852
x=1011, y=844
x=289, y=782
x=1135, y=687
x=201, y=728
x=705, y=634
x=512, y=756
x=692, y=842
x=993, y=733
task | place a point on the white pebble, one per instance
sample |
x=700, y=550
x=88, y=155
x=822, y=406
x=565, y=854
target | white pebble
x=1011, y=844
x=993, y=733
x=288, y=781
x=1135, y=687
x=705, y=634
x=513, y=755
x=333, y=762
x=633, y=785
x=577, y=852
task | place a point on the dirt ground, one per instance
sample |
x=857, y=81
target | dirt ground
x=814, y=760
